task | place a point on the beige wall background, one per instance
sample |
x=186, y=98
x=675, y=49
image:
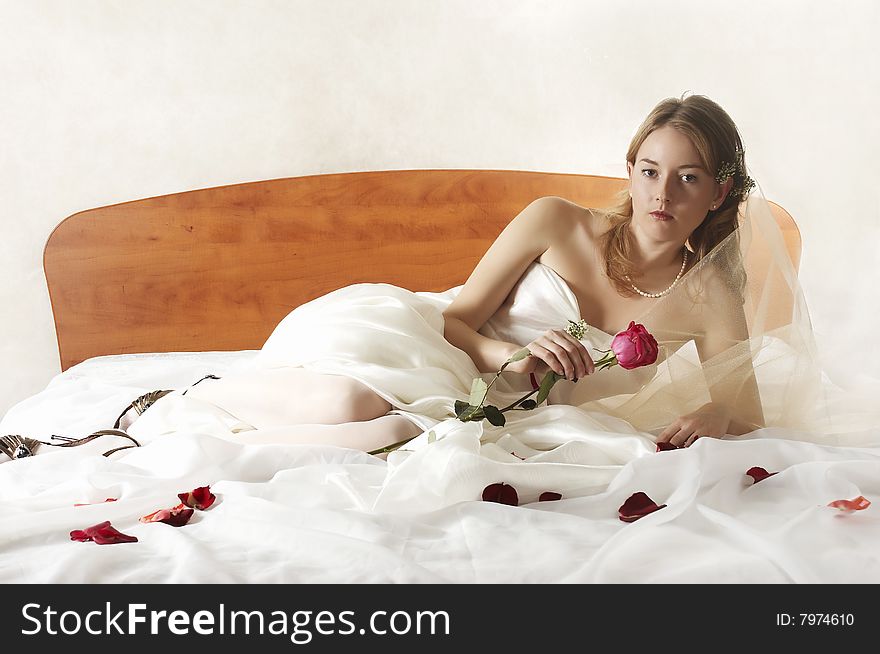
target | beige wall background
x=107, y=101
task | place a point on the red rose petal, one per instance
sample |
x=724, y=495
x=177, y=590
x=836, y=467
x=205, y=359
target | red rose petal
x=501, y=493
x=857, y=504
x=636, y=506
x=534, y=380
x=549, y=496
x=200, y=498
x=759, y=474
x=663, y=446
x=176, y=516
x=102, y=533
x=80, y=535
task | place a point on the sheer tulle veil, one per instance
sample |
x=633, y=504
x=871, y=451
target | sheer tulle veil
x=744, y=298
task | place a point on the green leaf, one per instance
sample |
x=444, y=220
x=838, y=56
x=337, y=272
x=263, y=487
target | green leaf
x=519, y=355
x=528, y=404
x=546, y=384
x=432, y=436
x=474, y=414
x=467, y=412
x=494, y=415
x=460, y=406
x=478, y=391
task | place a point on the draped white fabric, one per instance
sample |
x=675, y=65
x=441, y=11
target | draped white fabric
x=309, y=513
x=317, y=513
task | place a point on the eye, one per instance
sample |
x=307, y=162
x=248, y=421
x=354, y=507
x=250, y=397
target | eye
x=647, y=170
x=693, y=176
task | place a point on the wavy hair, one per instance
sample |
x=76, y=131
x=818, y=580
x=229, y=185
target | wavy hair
x=716, y=140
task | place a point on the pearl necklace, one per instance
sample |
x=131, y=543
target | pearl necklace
x=671, y=286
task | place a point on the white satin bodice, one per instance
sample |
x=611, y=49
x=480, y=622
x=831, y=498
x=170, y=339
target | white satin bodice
x=542, y=300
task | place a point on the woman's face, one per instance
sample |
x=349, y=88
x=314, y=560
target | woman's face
x=669, y=177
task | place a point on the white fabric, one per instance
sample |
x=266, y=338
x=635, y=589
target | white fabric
x=328, y=514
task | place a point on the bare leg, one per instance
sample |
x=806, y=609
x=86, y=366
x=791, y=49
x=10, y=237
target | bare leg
x=367, y=435
x=291, y=396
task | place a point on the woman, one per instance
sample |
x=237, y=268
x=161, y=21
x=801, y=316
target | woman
x=687, y=179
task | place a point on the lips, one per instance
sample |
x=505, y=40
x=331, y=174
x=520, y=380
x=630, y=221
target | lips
x=661, y=215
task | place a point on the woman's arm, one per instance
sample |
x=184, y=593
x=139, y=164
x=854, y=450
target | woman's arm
x=521, y=242
x=723, y=346
x=735, y=387
x=487, y=354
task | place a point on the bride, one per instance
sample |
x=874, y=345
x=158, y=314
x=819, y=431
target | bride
x=373, y=364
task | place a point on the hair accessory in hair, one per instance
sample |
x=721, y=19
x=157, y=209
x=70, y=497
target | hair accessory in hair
x=742, y=183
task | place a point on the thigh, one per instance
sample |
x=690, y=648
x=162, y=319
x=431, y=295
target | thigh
x=367, y=436
x=287, y=396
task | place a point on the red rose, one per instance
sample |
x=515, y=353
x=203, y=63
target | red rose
x=635, y=347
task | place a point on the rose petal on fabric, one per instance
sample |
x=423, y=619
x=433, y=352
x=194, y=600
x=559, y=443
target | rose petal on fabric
x=549, y=496
x=636, y=506
x=176, y=516
x=664, y=446
x=858, y=504
x=102, y=533
x=501, y=493
x=759, y=474
x=534, y=380
x=200, y=498
x=109, y=535
x=80, y=535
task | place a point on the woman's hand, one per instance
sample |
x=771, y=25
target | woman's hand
x=709, y=420
x=555, y=350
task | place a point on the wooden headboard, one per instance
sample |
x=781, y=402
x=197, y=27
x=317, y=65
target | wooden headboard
x=217, y=268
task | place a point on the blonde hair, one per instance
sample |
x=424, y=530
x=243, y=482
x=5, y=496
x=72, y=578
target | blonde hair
x=716, y=140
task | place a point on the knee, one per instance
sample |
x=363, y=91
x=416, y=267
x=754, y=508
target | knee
x=403, y=428
x=362, y=404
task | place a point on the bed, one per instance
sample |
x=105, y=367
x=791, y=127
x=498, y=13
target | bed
x=160, y=292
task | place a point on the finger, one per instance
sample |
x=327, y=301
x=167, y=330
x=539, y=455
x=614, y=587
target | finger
x=577, y=353
x=667, y=433
x=583, y=361
x=683, y=438
x=562, y=355
x=675, y=434
x=548, y=358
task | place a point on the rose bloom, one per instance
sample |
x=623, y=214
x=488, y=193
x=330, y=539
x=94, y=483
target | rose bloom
x=635, y=347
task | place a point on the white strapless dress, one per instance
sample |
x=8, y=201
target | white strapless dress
x=391, y=340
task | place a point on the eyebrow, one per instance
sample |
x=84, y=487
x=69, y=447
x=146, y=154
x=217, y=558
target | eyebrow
x=654, y=163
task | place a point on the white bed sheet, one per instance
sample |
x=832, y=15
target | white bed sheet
x=327, y=514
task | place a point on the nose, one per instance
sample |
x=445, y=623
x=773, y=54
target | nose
x=663, y=191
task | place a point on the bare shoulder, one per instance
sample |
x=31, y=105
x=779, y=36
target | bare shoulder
x=572, y=216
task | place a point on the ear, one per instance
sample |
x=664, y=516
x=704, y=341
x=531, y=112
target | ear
x=723, y=190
